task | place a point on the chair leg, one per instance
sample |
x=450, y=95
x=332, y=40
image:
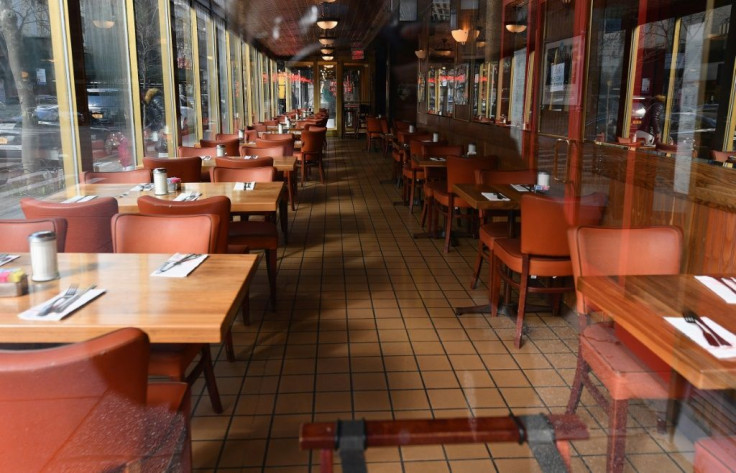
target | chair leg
x=448, y=224
x=523, y=285
x=321, y=172
x=210, y=381
x=412, y=195
x=576, y=391
x=617, y=436
x=478, y=265
x=494, y=285
x=271, y=269
x=425, y=210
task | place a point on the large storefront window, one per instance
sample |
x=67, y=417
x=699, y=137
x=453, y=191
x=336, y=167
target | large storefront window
x=207, y=70
x=30, y=140
x=328, y=91
x=255, y=85
x=302, y=88
x=557, y=62
x=185, y=73
x=236, y=81
x=222, y=68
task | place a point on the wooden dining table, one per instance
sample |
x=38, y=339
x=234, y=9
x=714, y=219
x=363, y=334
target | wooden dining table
x=284, y=164
x=264, y=197
x=199, y=308
x=639, y=305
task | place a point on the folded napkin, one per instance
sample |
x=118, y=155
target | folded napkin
x=495, y=197
x=206, y=158
x=694, y=333
x=520, y=188
x=148, y=186
x=436, y=159
x=7, y=259
x=250, y=157
x=179, y=265
x=244, y=186
x=721, y=290
x=81, y=301
x=78, y=199
x=187, y=196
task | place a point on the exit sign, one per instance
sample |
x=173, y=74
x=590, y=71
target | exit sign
x=358, y=54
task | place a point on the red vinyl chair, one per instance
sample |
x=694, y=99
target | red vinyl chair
x=239, y=163
x=136, y=176
x=490, y=231
x=286, y=141
x=188, y=169
x=88, y=406
x=264, y=150
x=14, y=233
x=192, y=151
x=312, y=151
x=88, y=223
x=231, y=145
x=715, y=455
x=599, y=251
x=134, y=233
x=541, y=250
x=373, y=132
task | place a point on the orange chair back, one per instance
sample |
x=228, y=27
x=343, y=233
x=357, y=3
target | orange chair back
x=226, y=136
x=373, y=125
x=493, y=177
x=415, y=142
x=217, y=205
x=721, y=156
x=440, y=150
x=187, y=169
x=258, y=174
x=14, y=233
x=259, y=127
x=312, y=142
x=271, y=122
x=269, y=150
x=384, y=126
x=136, y=176
x=545, y=221
x=286, y=144
x=226, y=162
x=602, y=251
x=138, y=233
x=462, y=170
x=191, y=151
x=277, y=136
x=88, y=223
x=83, y=395
x=231, y=145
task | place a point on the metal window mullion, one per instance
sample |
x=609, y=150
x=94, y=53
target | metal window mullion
x=167, y=59
x=213, y=81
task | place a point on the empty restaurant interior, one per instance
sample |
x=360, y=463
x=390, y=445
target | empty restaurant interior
x=469, y=235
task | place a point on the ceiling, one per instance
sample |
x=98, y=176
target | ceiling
x=287, y=29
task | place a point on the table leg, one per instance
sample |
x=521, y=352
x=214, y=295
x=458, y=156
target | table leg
x=284, y=217
x=290, y=187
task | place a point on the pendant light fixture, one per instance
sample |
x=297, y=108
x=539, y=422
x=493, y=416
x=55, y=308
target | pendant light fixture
x=326, y=41
x=444, y=51
x=327, y=22
x=327, y=51
x=328, y=58
x=517, y=24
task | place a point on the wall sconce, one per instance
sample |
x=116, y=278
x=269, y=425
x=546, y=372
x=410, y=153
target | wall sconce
x=421, y=54
x=461, y=36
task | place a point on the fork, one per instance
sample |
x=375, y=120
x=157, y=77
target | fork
x=170, y=264
x=710, y=335
x=68, y=294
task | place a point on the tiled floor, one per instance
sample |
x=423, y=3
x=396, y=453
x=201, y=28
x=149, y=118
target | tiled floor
x=364, y=328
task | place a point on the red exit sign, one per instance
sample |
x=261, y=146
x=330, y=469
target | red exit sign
x=358, y=54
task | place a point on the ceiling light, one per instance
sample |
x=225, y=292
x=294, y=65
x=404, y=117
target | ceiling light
x=333, y=1
x=327, y=23
x=103, y=24
x=327, y=50
x=328, y=58
x=513, y=27
x=421, y=53
x=461, y=36
x=325, y=41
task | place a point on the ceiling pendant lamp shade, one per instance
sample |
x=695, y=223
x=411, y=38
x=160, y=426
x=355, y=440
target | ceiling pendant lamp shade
x=327, y=23
x=326, y=41
x=328, y=58
x=461, y=36
x=327, y=51
x=512, y=27
x=420, y=53
x=517, y=21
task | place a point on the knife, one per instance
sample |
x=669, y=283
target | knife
x=170, y=264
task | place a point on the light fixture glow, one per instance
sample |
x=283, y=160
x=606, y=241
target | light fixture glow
x=327, y=23
x=420, y=53
x=327, y=50
x=515, y=27
x=325, y=41
x=328, y=58
x=103, y=24
x=459, y=35
x=444, y=51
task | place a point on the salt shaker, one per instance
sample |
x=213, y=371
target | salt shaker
x=220, y=152
x=160, y=181
x=43, y=256
x=241, y=134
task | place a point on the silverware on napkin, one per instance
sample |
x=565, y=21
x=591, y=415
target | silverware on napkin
x=54, y=305
x=171, y=264
x=711, y=336
x=67, y=303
